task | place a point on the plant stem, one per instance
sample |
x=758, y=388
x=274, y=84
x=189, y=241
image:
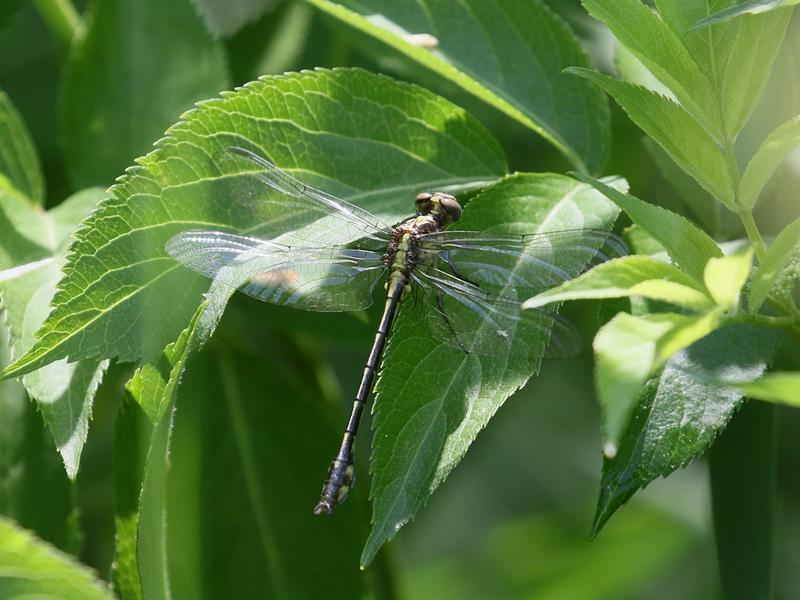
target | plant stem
x=753, y=234
x=62, y=18
x=742, y=469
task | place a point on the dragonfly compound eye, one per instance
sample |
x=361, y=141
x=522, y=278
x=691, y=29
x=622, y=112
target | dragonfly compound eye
x=423, y=203
x=450, y=206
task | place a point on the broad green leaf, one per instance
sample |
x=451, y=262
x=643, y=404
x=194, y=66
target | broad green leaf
x=650, y=39
x=686, y=333
x=36, y=492
x=713, y=216
x=509, y=54
x=32, y=568
x=139, y=66
x=737, y=55
x=743, y=471
x=687, y=245
x=783, y=388
x=63, y=391
x=625, y=355
x=681, y=136
x=766, y=161
x=223, y=18
x=641, y=242
x=629, y=276
x=141, y=452
x=364, y=137
x=19, y=163
x=681, y=411
x=432, y=400
x=248, y=455
x=745, y=7
x=632, y=70
x=725, y=276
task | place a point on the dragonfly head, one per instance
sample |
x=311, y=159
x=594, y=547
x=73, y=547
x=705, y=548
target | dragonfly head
x=445, y=206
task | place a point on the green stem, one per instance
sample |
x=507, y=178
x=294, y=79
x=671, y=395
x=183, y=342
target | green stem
x=753, y=234
x=742, y=469
x=62, y=18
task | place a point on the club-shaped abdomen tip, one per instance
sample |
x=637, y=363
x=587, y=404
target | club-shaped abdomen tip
x=323, y=507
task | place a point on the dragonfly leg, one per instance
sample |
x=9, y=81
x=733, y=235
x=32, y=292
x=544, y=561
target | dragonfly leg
x=445, y=256
x=443, y=313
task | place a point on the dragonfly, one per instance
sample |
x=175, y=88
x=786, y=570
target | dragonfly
x=464, y=287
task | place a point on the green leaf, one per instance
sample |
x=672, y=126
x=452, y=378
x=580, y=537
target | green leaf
x=139, y=66
x=783, y=388
x=431, y=399
x=681, y=411
x=63, y=391
x=19, y=163
x=248, y=454
x=34, y=569
x=132, y=432
x=778, y=256
x=650, y=39
x=714, y=217
x=36, y=491
x=507, y=53
x=141, y=453
x=737, y=55
x=743, y=471
x=725, y=276
x=688, y=246
x=746, y=7
x=681, y=136
x=223, y=18
x=368, y=139
x=778, y=144
x=625, y=355
x=629, y=276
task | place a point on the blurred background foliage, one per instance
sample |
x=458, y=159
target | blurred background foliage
x=513, y=520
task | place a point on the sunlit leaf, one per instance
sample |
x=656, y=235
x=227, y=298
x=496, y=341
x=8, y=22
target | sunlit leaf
x=681, y=411
x=725, y=276
x=366, y=138
x=681, y=136
x=778, y=144
x=509, y=54
x=63, y=391
x=745, y=7
x=779, y=254
x=630, y=276
x=34, y=569
x=737, y=55
x=783, y=388
x=687, y=245
x=625, y=355
x=651, y=40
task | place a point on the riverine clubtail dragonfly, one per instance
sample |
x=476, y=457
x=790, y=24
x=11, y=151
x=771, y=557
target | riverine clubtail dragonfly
x=466, y=286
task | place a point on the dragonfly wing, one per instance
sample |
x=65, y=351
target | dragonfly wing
x=322, y=279
x=463, y=316
x=298, y=213
x=476, y=283
x=520, y=266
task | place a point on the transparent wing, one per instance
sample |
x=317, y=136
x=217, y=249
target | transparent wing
x=475, y=283
x=321, y=279
x=298, y=213
x=463, y=316
x=519, y=266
